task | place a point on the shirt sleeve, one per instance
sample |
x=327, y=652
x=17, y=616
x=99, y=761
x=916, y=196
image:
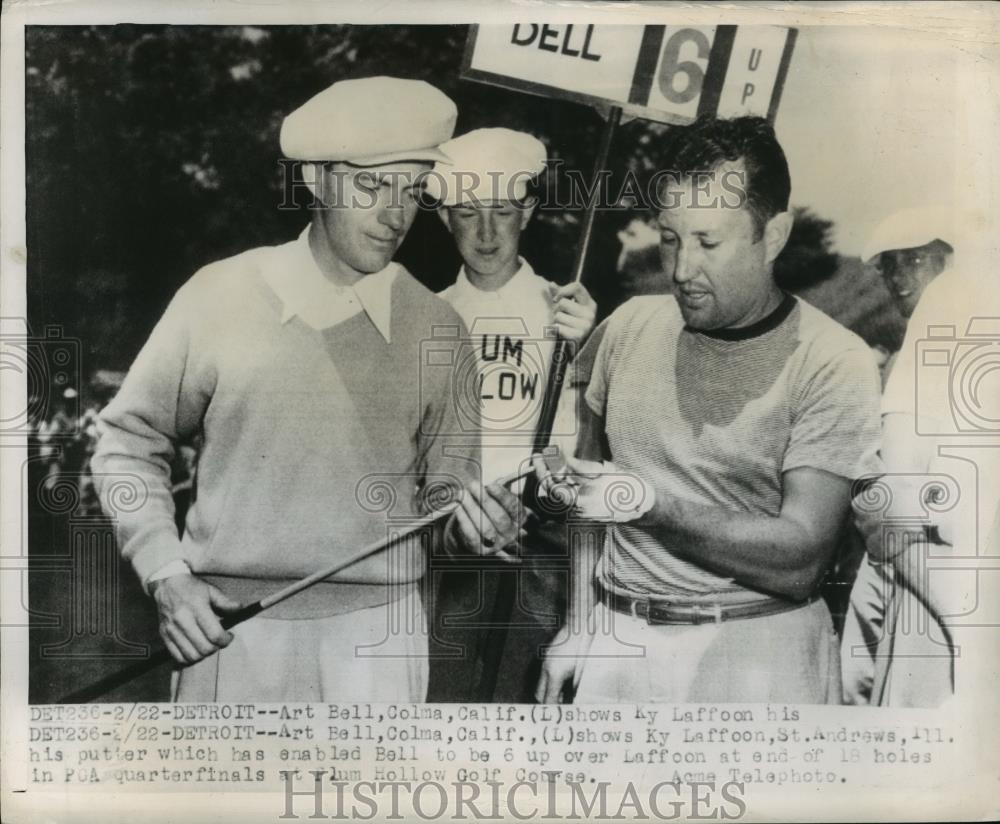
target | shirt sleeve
x=599, y=365
x=582, y=366
x=159, y=404
x=168, y=571
x=836, y=425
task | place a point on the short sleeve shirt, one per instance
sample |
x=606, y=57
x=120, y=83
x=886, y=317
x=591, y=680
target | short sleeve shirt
x=717, y=422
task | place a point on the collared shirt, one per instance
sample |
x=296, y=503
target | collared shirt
x=307, y=293
x=524, y=293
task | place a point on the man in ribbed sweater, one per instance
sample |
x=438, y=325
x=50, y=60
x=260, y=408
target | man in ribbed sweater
x=303, y=368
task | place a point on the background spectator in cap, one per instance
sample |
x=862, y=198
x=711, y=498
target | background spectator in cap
x=513, y=315
x=899, y=638
x=299, y=367
x=909, y=249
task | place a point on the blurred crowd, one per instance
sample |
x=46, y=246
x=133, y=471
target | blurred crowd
x=61, y=443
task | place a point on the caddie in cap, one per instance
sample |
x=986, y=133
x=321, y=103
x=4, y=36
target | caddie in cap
x=909, y=249
x=300, y=367
x=513, y=315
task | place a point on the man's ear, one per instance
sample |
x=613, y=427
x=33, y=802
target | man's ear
x=776, y=233
x=445, y=215
x=527, y=209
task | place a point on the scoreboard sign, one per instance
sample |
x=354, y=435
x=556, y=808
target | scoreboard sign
x=668, y=73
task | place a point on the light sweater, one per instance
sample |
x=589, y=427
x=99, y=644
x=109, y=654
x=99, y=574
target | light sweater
x=313, y=441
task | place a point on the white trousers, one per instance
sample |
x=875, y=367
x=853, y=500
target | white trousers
x=377, y=654
x=791, y=657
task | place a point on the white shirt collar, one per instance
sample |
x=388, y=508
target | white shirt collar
x=306, y=292
x=524, y=279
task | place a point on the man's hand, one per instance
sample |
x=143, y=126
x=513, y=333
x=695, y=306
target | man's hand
x=560, y=664
x=189, y=624
x=592, y=490
x=488, y=519
x=574, y=311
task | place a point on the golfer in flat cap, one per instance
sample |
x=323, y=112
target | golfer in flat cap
x=299, y=365
x=513, y=316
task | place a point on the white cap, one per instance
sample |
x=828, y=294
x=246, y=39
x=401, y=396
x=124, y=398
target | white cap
x=486, y=164
x=910, y=229
x=371, y=121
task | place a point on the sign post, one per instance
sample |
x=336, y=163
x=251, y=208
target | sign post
x=670, y=74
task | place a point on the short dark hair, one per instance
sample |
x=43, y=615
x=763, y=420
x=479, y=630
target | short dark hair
x=707, y=143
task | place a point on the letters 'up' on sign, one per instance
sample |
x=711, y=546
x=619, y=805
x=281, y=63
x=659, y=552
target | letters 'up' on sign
x=667, y=73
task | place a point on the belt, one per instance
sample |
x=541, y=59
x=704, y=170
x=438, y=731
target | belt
x=660, y=611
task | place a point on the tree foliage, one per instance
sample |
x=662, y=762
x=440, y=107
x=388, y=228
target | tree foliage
x=808, y=257
x=153, y=150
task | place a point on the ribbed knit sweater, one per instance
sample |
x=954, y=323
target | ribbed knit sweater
x=307, y=435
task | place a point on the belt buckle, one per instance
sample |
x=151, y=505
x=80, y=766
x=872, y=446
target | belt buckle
x=708, y=614
x=652, y=612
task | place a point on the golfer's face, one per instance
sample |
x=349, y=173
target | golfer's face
x=719, y=263
x=369, y=210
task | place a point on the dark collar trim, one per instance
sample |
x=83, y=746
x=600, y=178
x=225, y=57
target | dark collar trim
x=754, y=330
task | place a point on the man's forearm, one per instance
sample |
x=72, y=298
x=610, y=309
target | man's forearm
x=763, y=552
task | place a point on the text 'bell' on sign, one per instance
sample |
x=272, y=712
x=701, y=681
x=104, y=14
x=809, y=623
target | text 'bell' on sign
x=667, y=73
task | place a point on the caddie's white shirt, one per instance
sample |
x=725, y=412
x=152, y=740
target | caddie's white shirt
x=512, y=337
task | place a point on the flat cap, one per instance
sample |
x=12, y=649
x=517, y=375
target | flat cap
x=910, y=229
x=486, y=164
x=370, y=121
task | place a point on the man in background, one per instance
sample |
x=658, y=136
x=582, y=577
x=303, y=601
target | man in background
x=908, y=251
x=899, y=646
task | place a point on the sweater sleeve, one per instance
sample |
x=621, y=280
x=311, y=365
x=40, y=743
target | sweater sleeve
x=162, y=401
x=449, y=448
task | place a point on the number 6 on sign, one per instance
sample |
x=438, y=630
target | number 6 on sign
x=680, y=73
x=680, y=81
